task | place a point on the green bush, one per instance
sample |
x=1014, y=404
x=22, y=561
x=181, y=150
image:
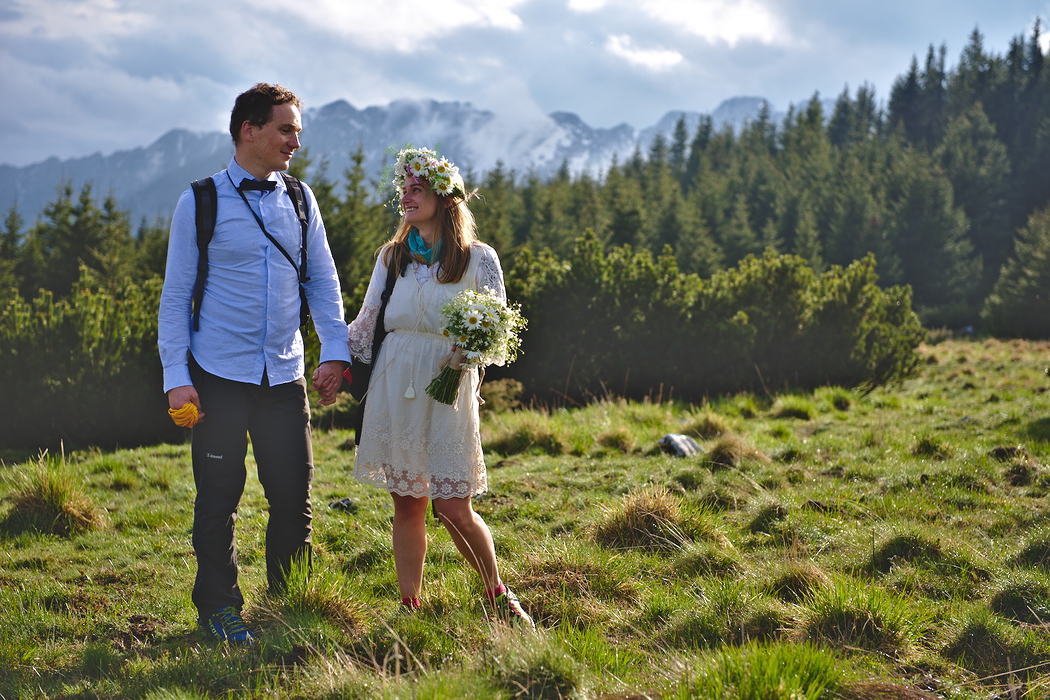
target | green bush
x=625, y=323
x=84, y=369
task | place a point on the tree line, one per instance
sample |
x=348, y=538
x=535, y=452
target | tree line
x=781, y=255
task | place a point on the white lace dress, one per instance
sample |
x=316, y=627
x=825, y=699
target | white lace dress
x=417, y=446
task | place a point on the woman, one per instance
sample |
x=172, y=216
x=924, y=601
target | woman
x=420, y=450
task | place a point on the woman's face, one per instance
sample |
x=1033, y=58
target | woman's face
x=420, y=204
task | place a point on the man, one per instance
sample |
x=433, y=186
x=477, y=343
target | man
x=242, y=364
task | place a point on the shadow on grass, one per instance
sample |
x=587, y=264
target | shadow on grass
x=1038, y=430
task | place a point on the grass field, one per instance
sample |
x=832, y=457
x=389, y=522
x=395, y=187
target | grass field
x=821, y=545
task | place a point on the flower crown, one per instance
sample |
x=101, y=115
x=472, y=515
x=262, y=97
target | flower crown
x=425, y=164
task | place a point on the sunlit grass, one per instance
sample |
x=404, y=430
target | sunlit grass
x=871, y=545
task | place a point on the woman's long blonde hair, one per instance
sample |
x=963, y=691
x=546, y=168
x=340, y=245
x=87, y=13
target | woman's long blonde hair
x=457, y=231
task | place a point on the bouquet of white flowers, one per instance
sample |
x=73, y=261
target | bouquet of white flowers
x=485, y=329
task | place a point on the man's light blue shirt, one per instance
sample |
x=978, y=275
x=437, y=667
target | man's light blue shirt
x=249, y=319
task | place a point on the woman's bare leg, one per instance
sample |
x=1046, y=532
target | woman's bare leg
x=471, y=536
x=410, y=543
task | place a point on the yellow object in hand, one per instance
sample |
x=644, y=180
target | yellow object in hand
x=186, y=416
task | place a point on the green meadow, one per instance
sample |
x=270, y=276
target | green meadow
x=827, y=544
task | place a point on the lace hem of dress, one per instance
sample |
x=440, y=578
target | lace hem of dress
x=406, y=483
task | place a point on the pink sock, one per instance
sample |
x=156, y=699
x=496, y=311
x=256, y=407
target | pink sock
x=413, y=603
x=491, y=595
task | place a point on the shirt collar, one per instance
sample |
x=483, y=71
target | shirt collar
x=237, y=173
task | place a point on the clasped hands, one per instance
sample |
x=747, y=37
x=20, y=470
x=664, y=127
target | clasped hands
x=327, y=379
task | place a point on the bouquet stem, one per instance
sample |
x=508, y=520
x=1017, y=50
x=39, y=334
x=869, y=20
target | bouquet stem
x=444, y=388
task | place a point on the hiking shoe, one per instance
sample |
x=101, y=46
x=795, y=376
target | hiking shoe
x=508, y=609
x=226, y=625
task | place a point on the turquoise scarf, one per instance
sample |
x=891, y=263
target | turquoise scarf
x=419, y=249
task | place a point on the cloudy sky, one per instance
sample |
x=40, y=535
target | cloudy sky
x=87, y=76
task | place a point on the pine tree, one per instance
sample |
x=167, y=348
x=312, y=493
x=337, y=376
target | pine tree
x=1019, y=305
x=623, y=198
x=357, y=226
x=737, y=238
x=978, y=166
x=853, y=121
x=9, y=248
x=679, y=148
x=855, y=214
x=70, y=235
x=905, y=108
x=496, y=208
x=807, y=236
x=930, y=239
x=697, y=148
x=696, y=250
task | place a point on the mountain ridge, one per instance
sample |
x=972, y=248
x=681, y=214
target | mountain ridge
x=146, y=181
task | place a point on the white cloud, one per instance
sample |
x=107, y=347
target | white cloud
x=585, y=5
x=90, y=21
x=405, y=25
x=652, y=59
x=728, y=21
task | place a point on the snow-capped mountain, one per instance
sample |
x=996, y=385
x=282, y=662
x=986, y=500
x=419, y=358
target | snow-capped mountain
x=147, y=181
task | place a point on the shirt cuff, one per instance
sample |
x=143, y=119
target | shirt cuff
x=337, y=354
x=176, y=376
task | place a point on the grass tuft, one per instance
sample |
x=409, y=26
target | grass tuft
x=1035, y=548
x=708, y=425
x=619, y=439
x=863, y=616
x=1024, y=597
x=792, y=406
x=909, y=547
x=708, y=558
x=534, y=667
x=930, y=447
x=314, y=597
x=48, y=499
x=727, y=611
x=986, y=644
x=836, y=398
x=797, y=581
x=773, y=671
x=649, y=519
x=730, y=450
x=531, y=434
x=768, y=518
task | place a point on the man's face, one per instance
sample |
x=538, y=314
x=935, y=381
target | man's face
x=270, y=147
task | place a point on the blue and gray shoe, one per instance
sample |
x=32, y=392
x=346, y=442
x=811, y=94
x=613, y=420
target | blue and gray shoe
x=226, y=625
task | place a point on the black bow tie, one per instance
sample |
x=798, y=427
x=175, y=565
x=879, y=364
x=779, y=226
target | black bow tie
x=249, y=184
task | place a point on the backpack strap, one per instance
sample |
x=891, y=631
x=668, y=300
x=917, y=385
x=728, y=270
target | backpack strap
x=392, y=273
x=302, y=210
x=207, y=210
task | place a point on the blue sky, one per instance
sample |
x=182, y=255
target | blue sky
x=88, y=76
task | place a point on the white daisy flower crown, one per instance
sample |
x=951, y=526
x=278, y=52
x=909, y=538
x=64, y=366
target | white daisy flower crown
x=426, y=164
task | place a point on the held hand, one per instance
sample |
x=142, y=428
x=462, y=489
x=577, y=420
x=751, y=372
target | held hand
x=182, y=395
x=457, y=359
x=327, y=379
